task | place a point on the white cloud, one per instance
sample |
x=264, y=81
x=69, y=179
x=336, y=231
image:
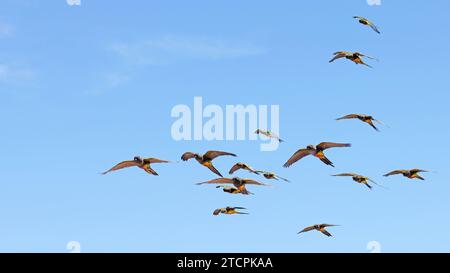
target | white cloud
x=169, y=49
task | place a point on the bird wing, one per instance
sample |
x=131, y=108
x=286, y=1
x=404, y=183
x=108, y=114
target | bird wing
x=326, y=233
x=210, y=155
x=296, y=157
x=186, y=156
x=338, y=55
x=346, y=174
x=236, y=167
x=374, y=27
x=217, y=211
x=351, y=116
x=327, y=225
x=154, y=160
x=396, y=172
x=218, y=181
x=282, y=178
x=307, y=229
x=253, y=182
x=123, y=164
x=328, y=145
x=418, y=171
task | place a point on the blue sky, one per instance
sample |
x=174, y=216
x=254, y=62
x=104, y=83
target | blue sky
x=84, y=87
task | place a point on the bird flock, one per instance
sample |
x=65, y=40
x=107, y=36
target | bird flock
x=237, y=185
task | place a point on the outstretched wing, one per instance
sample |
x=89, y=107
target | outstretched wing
x=396, y=172
x=418, y=171
x=217, y=211
x=253, y=182
x=328, y=145
x=218, y=181
x=307, y=229
x=154, y=160
x=374, y=27
x=346, y=174
x=326, y=233
x=351, y=116
x=236, y=167
x=296, y=157
x=338, y=55
x=186, y=156
x=282, y=178
x=210, y=155
x=123, y=164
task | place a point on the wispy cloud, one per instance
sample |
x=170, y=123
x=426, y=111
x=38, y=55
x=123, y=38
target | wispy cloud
x=5, y=29
x=168, y=49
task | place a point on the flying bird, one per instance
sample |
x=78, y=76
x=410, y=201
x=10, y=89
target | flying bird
x=321, y=228
x=268, y=134
x=359, y=179
x=143, y=163
x=242, y=166
x=366, y=22
x=229, y=210
x=316, y=151
x=239, y=183
x=352, y=56
x=270, y=175
x=233, y=190
x=206, y=159
x=364, y=118
x=411, y=174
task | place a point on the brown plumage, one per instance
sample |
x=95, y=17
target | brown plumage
x=242, y=166
x=228, y=210
x=239, y=183
x=143, y=163
x=206, y=159
x=364, y=118
x=411, y=174
x=316, y=151
x=355, y=57
x=320, y=227
x=366, y=22
x=271, y=175
x=359, y=179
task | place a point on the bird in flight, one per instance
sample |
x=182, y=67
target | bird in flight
x=364, y=118
x=242, y=166
x=233, y=190
x=268, y=134
x=321, y=228
x=270, y=175
x=143, y=163
x=239, y=183
x=316, y=151
x=359, y=179
x=366, y=22
x=411, y=174
x=206, y=159
x=229, y=210
x=352, y=56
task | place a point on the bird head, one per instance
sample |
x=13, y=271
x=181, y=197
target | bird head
x=311, y=147
x=138, y=159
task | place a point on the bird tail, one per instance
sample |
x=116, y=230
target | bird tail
x=325, y=160
x=367, y=184
x=420, y=177
x=214, y=170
